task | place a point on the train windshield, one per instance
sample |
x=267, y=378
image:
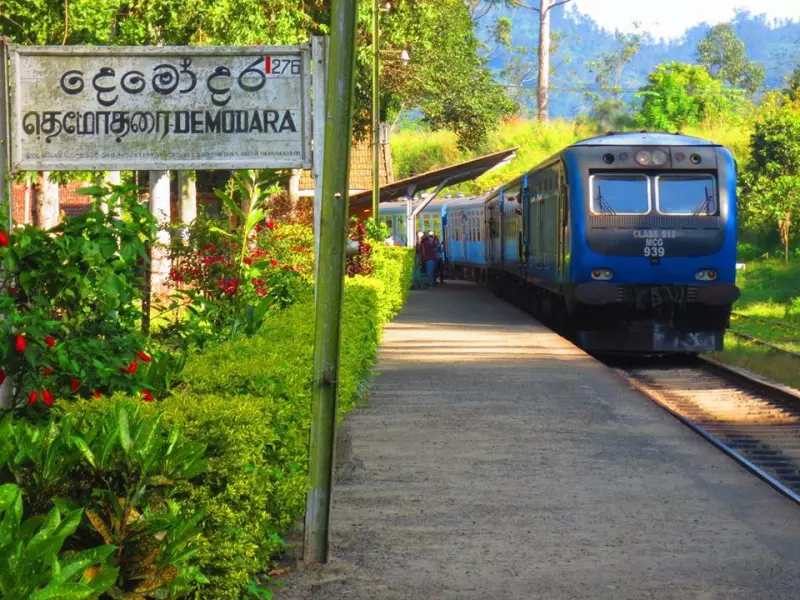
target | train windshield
x=620, y=194
x=686, y=195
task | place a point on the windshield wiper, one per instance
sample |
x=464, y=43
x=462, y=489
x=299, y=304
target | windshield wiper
x=704, y=205
x=604, y=206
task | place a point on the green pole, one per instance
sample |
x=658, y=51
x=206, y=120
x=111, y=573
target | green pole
x=376, y=111
x=330, y=277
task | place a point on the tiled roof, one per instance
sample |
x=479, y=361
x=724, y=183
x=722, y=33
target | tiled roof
x=360, y=168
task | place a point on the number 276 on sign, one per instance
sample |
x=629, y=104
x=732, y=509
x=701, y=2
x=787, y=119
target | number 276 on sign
x=281, y=66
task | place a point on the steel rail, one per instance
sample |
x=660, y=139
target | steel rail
x=755, y=340
x=736, y=375
x=782, y=324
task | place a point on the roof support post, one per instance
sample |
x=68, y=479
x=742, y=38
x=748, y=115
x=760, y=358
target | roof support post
x=411, y=237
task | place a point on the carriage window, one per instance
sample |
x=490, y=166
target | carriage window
x=620, y=194
x=686, y=195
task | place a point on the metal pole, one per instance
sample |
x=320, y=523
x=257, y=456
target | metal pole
x=330, y=280
x=376, y=112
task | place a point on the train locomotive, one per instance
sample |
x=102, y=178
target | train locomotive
x=625, y=241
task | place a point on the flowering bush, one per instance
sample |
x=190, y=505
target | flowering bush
x=359, y=263
x=229, y=278
x=70, y=297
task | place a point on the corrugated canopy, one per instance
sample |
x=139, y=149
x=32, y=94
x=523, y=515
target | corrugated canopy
x=446, y=176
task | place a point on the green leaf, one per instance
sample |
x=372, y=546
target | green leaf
x=255, y=216
x=124, y=429
x=87, y=453
x=92, y=191
x=63, y=591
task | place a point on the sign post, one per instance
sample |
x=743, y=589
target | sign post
x=6, y=198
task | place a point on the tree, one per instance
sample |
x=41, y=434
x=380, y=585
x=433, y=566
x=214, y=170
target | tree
x=724, y=56
x=793, y=84
x=679, y=95
x=448, y=81
x=608, y=109
x=544, y=9
x=438, y=34
x=771, y=180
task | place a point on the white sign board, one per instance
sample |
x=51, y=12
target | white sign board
x=126, y=108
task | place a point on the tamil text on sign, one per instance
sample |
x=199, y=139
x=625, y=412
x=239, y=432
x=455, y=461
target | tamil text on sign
x=160, y=108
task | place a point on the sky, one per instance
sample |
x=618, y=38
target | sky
x=676, y=16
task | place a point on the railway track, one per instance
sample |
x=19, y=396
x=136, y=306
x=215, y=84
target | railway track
x=792, y=329
x=755, y=422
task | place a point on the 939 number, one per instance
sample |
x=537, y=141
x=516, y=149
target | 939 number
x=654, y=251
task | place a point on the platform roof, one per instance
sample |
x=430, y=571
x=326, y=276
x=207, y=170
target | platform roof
x=447, y=176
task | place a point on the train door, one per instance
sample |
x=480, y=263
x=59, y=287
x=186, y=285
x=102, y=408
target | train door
x=501, y=228
x=563, y=221
x=541, y=215
x=524, y=251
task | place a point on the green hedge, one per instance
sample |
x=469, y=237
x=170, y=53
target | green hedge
x=249, y=401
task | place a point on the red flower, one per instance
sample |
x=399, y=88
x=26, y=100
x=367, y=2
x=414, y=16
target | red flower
x=258, y=227
x=3, y=239
x=33, y=397
x=148, y=395
x=143, y=356
x=261, y=292
x=47, y=397
x=13, y=290
x=74, y=384
x=247, y=260
x=21, y=344
x=270, y=225
x=2, y=376
x=139, y=260
x=48, y=371
x=273, y=262
x=49, y=341
x=97, y=395
x=257, y=282
x=230, y=286
x=131, y=368
x=210, y=249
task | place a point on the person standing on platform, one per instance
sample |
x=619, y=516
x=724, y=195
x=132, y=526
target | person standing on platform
x=428, y=254
x=439, y=257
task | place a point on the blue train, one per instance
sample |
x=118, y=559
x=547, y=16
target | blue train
x=627, y=241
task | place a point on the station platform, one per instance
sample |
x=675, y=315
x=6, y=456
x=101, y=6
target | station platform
x=496, y=461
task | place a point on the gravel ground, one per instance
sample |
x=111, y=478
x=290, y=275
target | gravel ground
x=496, y=461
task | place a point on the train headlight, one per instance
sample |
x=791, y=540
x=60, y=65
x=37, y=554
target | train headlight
x=602, y=274
x=706, y=274
x=659, y=157
x=642, y=157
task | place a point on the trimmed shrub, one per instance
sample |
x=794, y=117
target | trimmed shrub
x=249, y=401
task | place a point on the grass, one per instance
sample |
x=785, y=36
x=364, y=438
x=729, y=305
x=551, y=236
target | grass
x=759, y=359
x=770, y=303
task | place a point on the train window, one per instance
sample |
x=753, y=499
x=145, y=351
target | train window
x=686, y=195
x=620, y=194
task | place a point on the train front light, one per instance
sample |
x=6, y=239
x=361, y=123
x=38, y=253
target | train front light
x=642, y=157
x=660, y=158
x=602, y=274
x=706, y=275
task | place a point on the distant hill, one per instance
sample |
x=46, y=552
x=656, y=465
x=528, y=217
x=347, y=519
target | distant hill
x=775, y=45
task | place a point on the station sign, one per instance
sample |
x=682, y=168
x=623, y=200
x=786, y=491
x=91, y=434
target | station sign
x=140, y=108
